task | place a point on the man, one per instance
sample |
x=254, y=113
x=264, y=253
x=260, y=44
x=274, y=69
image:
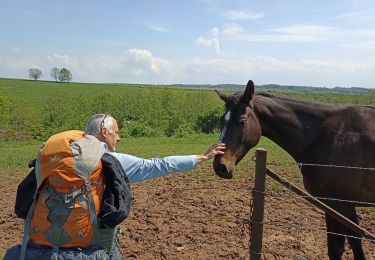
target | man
x=105, y=128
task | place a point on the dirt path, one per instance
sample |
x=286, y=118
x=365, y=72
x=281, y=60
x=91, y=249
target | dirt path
x=186, y=216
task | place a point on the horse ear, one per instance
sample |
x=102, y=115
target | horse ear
x=249, y=92
x=222, y=95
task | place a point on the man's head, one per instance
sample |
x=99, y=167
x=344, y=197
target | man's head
x=105, y=128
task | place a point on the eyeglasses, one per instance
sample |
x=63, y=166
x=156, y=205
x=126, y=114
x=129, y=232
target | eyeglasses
x=105, y=116
x=102, y=122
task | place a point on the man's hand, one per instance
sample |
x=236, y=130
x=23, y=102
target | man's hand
x=217, y=148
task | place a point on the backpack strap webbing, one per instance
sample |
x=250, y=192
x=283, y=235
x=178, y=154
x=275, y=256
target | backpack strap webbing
x=87, y=153
x=26, y=228
x=93, y=217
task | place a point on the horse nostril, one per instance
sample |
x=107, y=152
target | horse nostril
x=223, y=169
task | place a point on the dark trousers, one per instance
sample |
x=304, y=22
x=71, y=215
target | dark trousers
x=38, y=252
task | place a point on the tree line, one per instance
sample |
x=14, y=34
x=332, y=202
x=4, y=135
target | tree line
x=57, y=74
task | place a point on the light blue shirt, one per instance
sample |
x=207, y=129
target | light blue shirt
x=139, y=169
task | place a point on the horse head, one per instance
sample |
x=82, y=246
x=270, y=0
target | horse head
x=240, y=130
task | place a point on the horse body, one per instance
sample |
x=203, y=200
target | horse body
x=314, y=135
x=324, y=135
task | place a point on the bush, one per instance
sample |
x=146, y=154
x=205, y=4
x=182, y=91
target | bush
x=183, y=130
x=138, y=129
x=209, y=122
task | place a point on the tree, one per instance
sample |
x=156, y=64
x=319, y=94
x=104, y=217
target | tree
x=65, y=75
x=35, y=73
x=55, y=73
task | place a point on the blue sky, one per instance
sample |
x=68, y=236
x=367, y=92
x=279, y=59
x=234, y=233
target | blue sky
x=295, y=42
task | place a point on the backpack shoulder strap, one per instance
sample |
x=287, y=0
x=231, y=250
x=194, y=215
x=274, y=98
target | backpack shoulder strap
x=24, y=197
x=29, y=183
x=26, y=228
x=87, y=152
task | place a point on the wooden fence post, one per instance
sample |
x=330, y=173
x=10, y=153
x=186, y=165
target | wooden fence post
x=256, y=221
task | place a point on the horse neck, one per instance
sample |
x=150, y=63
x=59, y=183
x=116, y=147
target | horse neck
x=293, y=125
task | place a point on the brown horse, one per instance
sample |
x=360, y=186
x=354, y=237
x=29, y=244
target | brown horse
x=313, y=134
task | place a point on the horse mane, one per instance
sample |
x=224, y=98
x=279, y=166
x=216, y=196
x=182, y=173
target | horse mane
x=367, y=106
x=233, y=99
x=314, y=105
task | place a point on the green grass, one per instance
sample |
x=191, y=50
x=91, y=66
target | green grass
x=37, y=93
x=37, y=109
x=15, y=155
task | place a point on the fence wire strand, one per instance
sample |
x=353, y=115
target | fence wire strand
x=248, y=221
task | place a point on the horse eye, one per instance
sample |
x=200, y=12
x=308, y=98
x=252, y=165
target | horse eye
x=242, y=123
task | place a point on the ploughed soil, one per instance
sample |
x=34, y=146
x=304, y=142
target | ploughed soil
x=198, y=216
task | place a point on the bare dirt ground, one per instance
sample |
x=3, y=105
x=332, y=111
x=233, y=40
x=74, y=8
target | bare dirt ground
x=192, y=216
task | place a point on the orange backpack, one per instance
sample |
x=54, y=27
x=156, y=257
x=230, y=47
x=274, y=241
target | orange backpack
x=70, y=182
x=69, y=193
x=81, y=193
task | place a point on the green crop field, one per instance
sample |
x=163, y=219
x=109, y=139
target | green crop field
x=155, y=120
x=35, y=110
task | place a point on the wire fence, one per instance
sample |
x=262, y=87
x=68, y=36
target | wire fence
x=244, y=220
x=289, y=189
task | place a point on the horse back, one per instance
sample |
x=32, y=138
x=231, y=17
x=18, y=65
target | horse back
x=346, y=141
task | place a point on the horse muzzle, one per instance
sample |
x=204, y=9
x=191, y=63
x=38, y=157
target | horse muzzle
x=223, y=168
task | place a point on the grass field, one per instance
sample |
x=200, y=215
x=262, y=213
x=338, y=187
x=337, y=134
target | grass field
x=15, y=155
x=35, y=110
x=44, y=107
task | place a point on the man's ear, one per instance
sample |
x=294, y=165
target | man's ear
x=103, y=132
x=248, y=93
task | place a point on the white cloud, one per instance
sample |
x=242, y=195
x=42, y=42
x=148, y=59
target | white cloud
x=301, y=34
x=298, y=33
x=64, y=61
x=159, y=28
x=144, y=62
x=15, y=50
x=305, y=30
x=363, y=15
x=232, y=29
x=89, y=69
x=136, y=66
x=214, y=32
x=360, y=45
x=242, y=15
x=141, y=66
x=212, y=43
x=266, y=70
x=329, y=65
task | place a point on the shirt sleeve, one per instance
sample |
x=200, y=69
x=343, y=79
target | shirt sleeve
x=139, y=169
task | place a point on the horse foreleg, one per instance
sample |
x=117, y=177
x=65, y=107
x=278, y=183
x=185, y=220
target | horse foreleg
x=354, y=238
x=335, y=242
